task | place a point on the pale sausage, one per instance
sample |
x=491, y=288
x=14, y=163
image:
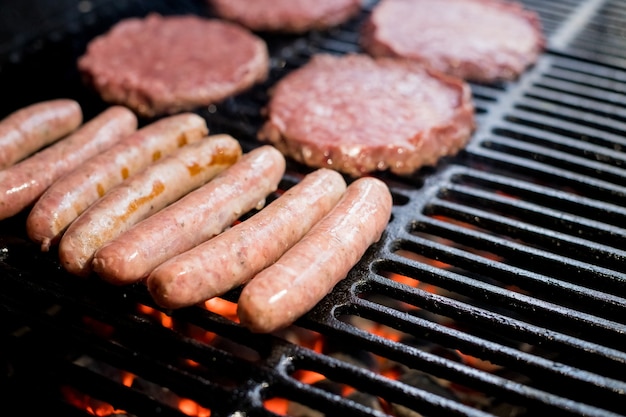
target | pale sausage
x=284, y=291
x=69, y=196
x=23, y=183
x=233, y=257
x=29, y=129
x=193, y=219
x=142, y=195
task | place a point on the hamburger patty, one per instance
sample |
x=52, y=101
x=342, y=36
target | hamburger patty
x=159, y=65
x=478, y=40
x=357, y=114
x=295, y=16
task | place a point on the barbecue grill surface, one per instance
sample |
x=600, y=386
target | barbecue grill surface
x=498, y=288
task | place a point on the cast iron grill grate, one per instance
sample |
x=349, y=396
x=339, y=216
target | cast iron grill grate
x=601, y=38
x=497, y=289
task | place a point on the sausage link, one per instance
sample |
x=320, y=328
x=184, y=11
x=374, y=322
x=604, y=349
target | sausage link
x=193, y=219
x=72, y=194
x=31, y=128
x=23, y=183
x=280, y=294
x=233, y=257
x=142, y=195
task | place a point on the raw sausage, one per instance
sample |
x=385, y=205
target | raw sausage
x=69, y=196
x=235, y=256
x=31, y=128
x=142, y=195
x=22, y=184
x=280, y=294
x=193, y=219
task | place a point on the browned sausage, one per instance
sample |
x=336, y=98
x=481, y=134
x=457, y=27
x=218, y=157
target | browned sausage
x=69, y=196
x=31, y=128
x=142, y=195
x=233, y=257
x=284, y=291
x=22, y=184
x=193, y=219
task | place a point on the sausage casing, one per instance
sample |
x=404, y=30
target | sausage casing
x=142, y=195
x=193, y=219
x=234, y=256
x=23, y=183
x=31, y=128
x=287, y=289
x=73, y=193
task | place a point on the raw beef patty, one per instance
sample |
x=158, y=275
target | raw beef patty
x=295, y=16
x=168, y=64
x=478, y=40
x=357, y=114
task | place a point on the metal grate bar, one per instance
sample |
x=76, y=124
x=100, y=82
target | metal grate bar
x=542, y=372
x=603, y=174
x=444, y=368
x=571, y=269
x=532, y=235
x=473, y=276
x=544, y=195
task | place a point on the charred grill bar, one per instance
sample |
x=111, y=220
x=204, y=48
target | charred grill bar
x=499, y=287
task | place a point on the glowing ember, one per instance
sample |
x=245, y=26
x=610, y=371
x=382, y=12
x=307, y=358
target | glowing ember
x=478, y=363
x=90, y=405
x=127, y=379
x=191, y=408
x=308, y=377
x=223, y=308
x=163, y=318
x=277, y=406
x=412, y=282
x=101, y=329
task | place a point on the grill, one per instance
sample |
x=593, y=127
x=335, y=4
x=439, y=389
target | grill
x=498, y=288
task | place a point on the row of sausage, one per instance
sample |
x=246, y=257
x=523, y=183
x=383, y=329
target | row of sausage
x=161, y=204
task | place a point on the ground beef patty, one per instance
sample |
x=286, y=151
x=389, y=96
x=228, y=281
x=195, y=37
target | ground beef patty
x=478, y=40
x=295, y=16
x=357, y=114
x=158, y=65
